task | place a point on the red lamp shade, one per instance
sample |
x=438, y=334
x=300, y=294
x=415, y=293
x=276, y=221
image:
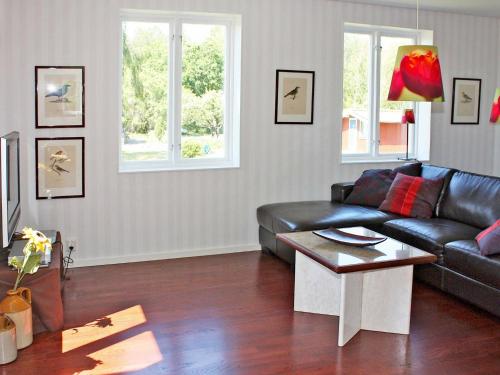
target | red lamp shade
x=495, y=108
x=408, y=117
x=417, y=75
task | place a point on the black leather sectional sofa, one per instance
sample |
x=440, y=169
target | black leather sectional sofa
x=468, y=204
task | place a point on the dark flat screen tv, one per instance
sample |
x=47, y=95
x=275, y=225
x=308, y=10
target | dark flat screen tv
x=10, y=193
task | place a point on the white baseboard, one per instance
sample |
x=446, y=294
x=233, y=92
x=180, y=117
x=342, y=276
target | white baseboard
x=163, y=255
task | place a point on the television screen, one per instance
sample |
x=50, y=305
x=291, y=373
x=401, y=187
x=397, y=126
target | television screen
x=10, y=188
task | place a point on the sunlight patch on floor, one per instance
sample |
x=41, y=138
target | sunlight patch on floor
x=101, y=328
x=132, y=354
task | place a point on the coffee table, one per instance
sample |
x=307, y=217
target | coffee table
x=368, y=288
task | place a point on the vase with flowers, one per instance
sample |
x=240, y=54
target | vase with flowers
x=17, y=304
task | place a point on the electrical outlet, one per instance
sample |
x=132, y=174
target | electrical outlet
x=72, y=242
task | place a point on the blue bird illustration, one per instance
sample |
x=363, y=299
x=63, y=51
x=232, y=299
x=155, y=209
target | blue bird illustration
x=59, y=92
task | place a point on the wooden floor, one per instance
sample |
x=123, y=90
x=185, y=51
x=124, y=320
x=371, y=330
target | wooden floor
x=232, y=314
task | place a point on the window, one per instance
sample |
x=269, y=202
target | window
x=369, y=57
x=353, y=123
x=179, y=91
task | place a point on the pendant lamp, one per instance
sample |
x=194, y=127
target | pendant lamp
x=416, y=77
x=495, y=108
x=417, y=74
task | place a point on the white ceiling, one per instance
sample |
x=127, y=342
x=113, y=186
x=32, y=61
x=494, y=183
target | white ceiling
x=475, y=7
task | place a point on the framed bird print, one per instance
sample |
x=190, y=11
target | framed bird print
x=466, y=101
x=294, y=97
x=60, y=167
x=59, y=96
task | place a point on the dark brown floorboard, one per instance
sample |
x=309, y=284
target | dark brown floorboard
x=232, y=314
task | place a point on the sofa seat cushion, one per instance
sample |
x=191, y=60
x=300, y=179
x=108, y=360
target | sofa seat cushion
x=429, y=234
x=312, y=215
x=464, y=258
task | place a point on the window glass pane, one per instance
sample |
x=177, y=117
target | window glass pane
x=392, y=132
x=203, y=98
x=144, y=91
x=356, y=115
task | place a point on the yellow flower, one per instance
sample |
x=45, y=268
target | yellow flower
x=36, y=240
x=28, y=233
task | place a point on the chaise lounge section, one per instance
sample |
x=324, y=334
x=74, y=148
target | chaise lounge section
x=467, y=204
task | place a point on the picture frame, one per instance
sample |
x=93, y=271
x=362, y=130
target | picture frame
x=294, y=97
x=466, y=102
x=60, y=167
x=59, y=97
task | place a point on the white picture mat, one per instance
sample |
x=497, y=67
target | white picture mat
x=73, y=118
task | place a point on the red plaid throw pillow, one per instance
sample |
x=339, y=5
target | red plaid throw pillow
x=489, y=240
x=412, y=196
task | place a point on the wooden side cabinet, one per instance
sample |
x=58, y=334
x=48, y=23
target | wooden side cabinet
x=46, y=289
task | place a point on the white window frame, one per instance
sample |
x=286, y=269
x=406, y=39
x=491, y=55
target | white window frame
x=420, y=134
x=231, y=89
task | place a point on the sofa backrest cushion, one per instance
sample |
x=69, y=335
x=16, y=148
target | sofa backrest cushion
x=472, y=199
x=434, y=172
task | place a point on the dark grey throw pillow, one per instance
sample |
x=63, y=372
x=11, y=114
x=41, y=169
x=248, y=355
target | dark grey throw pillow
x=372, y=187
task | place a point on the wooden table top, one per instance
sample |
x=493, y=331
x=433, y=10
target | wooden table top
x=343, y=258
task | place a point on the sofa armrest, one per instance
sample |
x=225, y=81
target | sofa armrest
x=341, y=190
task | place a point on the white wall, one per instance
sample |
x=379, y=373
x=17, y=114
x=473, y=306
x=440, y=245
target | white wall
x=496, y=167
x=496, y=156
x=147, y=215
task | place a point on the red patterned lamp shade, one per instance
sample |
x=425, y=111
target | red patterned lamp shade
x=495, y=108
x=408, y=117
x=417, y=75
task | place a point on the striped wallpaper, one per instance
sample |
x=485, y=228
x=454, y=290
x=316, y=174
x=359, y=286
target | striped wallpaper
x=139, y=216
x=496, y=155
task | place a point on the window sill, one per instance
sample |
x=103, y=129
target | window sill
x=375, y=161
x=146, y=167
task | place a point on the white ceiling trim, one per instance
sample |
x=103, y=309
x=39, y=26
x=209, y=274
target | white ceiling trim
x=489, y=8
